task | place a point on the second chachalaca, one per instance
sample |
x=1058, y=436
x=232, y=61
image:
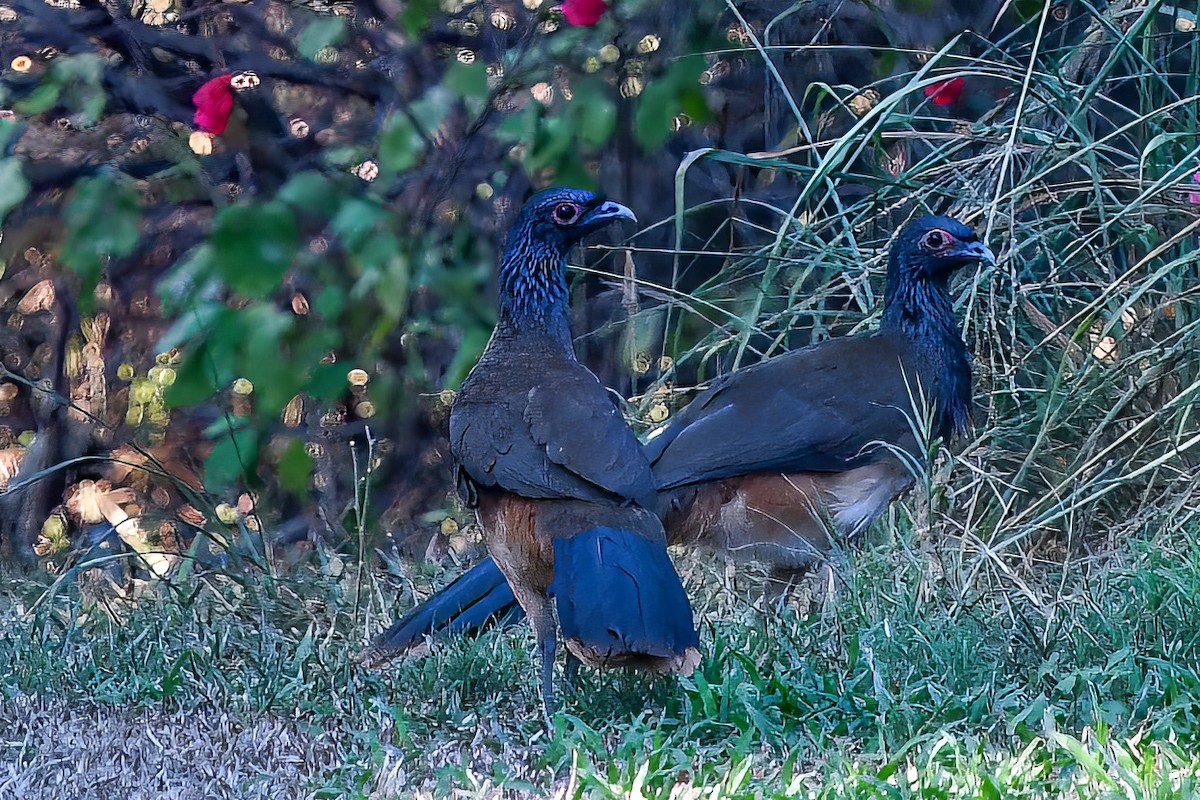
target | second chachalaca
x=559, y=482
x=768, y=459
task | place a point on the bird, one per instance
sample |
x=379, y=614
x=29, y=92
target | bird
x=558, y=480
x=770, y=460
x=750, y=464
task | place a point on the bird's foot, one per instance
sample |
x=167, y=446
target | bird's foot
x=828, y=582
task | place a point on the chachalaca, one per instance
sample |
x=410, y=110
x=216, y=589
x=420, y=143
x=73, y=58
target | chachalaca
x=753, y=462
x=558, y=480
x=769, y=460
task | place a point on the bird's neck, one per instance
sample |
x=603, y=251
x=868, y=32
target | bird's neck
x=533, y=293
x=920, y=311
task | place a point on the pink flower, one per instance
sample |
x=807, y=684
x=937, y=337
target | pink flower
x=214, y=104
x=584, y=12
x=1194, y=197
x=946, y=92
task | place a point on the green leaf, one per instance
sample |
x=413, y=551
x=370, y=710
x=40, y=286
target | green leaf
x=307, y=351
x=570, y=172
x=374, y=253
x=328, y=381
x=84, y=67
x=416, y=15
x=8, y=129
x=391, y=274
x=40, y=100
x=357, y=220
x=275, y=377
x=234, y=458
x=310, y=191
x=519, y=126
x=553, y=145
x=596, y=112
x=266, y=359
x=656, y=109
x=400, y=145
x=665, y=96
x=430, y=110
x=193, y=380
x=469, y=350
x=80, y=77
x=330, y=302
x=172, y=680
x=295, y=468
x=102, y=221
x=467, y=80
x=321, y=32
x=13, y=186
x=253, y=245
x=343, y=157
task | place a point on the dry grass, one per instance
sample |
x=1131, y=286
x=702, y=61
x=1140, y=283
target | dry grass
x=56, y=749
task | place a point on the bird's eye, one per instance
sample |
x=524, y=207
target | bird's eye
x=566, y=213
x=936, y=240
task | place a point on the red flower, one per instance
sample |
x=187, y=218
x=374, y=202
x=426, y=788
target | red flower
x=214, y=104
x=946, y=92
x=584, y=12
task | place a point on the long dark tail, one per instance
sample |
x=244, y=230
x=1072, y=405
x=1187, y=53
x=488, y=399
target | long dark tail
x=621, y=602
x=477, y=598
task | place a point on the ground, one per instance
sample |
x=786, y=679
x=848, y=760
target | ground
x=931, y=674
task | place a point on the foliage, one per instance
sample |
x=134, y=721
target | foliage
x=258, y=344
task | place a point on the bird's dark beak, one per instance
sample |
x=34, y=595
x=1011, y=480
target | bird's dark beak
x=608, y=210
x=978, y=251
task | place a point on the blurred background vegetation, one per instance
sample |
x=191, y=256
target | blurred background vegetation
x=248, y=334
x=238, y=345
x=228, y=355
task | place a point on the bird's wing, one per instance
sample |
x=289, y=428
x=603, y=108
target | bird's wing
x=822, y=408
x=561, y=438
x=492, y=448
x=581, y=429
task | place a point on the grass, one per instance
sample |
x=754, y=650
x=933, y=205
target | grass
x=1027, y=628
x=902, y=688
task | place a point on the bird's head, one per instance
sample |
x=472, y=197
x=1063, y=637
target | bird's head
x=533, y=280
x=933, y=248
x=559, y=218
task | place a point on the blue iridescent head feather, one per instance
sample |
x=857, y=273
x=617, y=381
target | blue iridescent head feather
x=533, y=281
x=917, y=305
x=933, y=248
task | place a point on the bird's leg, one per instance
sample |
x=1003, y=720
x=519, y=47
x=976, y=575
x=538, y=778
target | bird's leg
x=780, y=582
x=545, y=628
x=571, y=672
x=831, y=577
x=547, y=647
